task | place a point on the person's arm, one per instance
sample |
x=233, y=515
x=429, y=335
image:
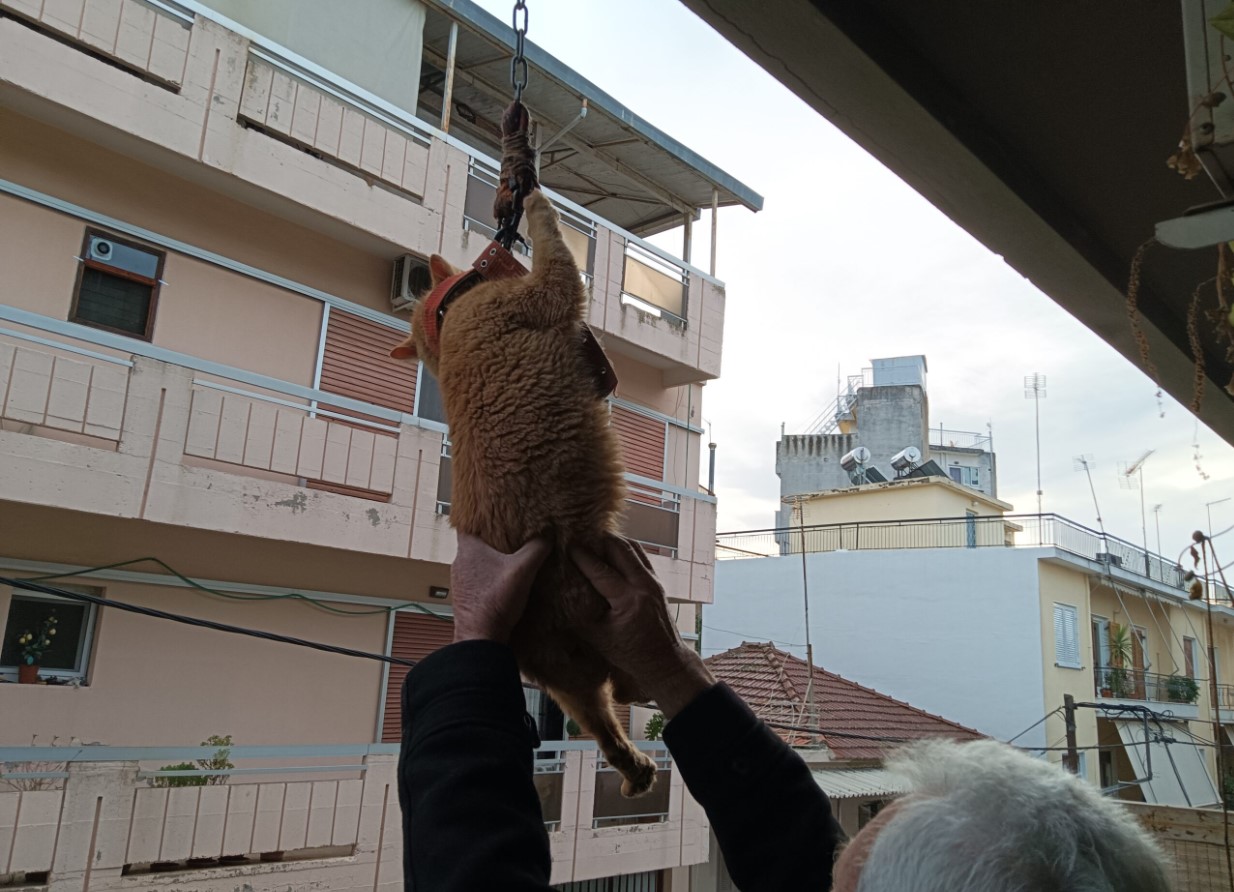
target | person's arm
x=773, y=822
x=471, y=814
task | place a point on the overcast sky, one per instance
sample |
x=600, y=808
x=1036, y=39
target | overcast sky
x=888, y=275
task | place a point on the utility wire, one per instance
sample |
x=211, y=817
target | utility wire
x=239, y=596
x=27, y=585
x=1044, y=718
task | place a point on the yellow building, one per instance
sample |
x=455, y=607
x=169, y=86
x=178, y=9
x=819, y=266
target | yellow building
x=929, y=591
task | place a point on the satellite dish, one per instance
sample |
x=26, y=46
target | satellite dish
x=852, y=459
x=906, y=458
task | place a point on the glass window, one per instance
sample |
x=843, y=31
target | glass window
x=429, y=404
x=70, y=649
x=118, y=286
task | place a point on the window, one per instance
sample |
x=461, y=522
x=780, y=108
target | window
x=117, y=285
x=965, y=476
x=69, y=654
x=1066, y=637
x=1190, y=656
x=428, y=397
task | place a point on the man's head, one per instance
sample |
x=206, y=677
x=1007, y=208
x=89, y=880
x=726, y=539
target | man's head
x=985, y=817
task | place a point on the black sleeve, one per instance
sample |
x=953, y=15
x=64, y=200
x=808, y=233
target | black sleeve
x=471, y=815
x=773, y=822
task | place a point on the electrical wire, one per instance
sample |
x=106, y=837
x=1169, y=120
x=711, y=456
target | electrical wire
x=1041, y=720
x=27, y=585
x=235, y=596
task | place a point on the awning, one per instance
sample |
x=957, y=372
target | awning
x=1179, y=773
x=860, y=783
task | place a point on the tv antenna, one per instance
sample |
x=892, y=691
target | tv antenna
x=1126, y=473
x=1034, y=389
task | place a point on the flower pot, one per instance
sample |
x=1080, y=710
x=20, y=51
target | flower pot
x=27, y=674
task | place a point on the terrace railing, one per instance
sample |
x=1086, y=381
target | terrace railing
x=1006, y=531
x=1136, y=684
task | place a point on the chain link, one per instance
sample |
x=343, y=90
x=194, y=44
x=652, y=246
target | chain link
x=518, y=65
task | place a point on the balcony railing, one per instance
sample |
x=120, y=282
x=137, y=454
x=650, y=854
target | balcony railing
x=1113, y=683
x=1006, y=531
x=101, y=816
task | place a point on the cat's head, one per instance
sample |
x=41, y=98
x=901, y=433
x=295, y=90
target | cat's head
x=416, y=345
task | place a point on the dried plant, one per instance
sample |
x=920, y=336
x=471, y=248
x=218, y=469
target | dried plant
x=31, y=784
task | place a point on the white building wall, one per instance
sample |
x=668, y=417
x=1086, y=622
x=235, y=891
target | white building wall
x=953, y=631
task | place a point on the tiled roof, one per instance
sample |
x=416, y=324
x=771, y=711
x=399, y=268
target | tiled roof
x=774, y=684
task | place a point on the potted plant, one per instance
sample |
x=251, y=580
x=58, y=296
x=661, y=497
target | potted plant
x=33, y=646
x=1120, y=684
x=1182, y=689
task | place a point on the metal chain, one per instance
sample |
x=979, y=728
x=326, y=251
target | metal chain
x=518, y=65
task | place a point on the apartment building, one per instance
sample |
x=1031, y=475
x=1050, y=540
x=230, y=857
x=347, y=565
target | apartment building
x=212, y=218
x=878, y=415
x=990, y=618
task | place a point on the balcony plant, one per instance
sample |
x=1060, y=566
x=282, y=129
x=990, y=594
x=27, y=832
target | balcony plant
x=33, y=646
x=1182, y=689
x=1117, y=681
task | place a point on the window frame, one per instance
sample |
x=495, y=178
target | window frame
x=89, y=633
x=85, y=263
x=1075, y=628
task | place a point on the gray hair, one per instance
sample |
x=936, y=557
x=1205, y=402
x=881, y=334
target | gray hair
x=985, y=817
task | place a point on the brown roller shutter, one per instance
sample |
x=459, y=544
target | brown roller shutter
x=642, y=442
x=357, y=364
x=416, y=635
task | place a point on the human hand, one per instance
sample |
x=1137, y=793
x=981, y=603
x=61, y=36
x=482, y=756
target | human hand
x=490, y=588
x=637, y=635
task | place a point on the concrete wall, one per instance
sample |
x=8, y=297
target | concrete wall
x=377, y=44
x=905, y=500
x=952, y=631
x=155, y=683
x=889, y=419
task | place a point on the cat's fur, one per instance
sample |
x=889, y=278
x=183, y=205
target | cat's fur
x=533, y=454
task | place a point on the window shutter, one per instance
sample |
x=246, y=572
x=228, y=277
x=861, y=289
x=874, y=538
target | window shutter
x=1066, y=636
x=357, y=364
x=642, y=442
x=416, y=635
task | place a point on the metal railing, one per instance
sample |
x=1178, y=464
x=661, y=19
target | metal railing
x=1006, y=531
x=1114, y=683
x=946, y=438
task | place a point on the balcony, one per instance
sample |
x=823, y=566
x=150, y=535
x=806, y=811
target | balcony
x=1135, y=686
x=111, y=818
x=100, y=423
x=1005, y=531
x=255, y=122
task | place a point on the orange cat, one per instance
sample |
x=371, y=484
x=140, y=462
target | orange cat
x=532, y=454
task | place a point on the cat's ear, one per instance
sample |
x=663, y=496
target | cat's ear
x=405, y=350
x=440, y=269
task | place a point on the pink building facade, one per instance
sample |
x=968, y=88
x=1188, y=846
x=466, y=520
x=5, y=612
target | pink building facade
x=206, y=242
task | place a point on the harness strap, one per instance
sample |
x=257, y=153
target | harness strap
x=495, y=262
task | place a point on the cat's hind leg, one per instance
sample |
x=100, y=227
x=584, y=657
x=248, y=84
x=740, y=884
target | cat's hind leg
x=593, y=710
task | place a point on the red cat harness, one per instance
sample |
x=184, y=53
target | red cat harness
x=498, y=263
x=495, y=263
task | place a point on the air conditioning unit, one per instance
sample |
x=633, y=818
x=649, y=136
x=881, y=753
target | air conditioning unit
x=411, y=281
x=102, y=250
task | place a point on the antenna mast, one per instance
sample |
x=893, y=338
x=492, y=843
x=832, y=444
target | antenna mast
x=1136, y=469
x=1034, y=389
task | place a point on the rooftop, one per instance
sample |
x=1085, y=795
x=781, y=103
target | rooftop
x=774, y=684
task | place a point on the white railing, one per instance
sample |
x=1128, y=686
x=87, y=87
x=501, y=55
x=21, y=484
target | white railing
x=99, y=816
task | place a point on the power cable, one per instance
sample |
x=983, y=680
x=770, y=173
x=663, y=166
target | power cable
x=1044, y=718
x=234, y=596
x=26, y=585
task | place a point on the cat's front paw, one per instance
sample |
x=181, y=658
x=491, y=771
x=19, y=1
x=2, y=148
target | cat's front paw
x=639, y=779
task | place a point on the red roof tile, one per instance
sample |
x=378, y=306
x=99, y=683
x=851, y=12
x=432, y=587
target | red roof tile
x=774, y=683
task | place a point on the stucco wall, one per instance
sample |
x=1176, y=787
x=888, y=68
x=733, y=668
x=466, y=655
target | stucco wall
x=376, y=45
x=153, y=682
x=907, y=500
x=953, y=631
x=1067, y=586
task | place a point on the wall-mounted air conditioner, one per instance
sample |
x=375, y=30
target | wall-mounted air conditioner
x=411, y=280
